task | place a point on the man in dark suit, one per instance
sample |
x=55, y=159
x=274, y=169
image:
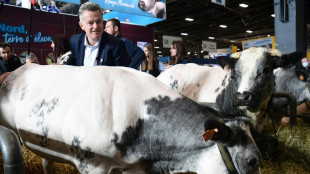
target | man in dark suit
x=96, y=47
x=113, y=27
x=8, y=61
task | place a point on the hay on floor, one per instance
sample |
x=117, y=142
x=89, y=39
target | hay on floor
x=33, y=164
x=293, y=155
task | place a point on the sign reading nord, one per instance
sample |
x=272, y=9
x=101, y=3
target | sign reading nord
x=18, y=34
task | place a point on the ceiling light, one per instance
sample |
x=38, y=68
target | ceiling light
x=223, y=26
x=184, y=34
x=273, y=15
x=243, y=5
x=158, y=51
x=156, y=47
x=189, y=19
x=268, y=35
x=155, y=40
x=249, y=31
x=211, y=37
x=188, y=52
x=232, y=41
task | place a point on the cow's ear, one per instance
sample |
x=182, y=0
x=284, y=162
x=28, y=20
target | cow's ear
x=278, y=62
x=216, y=131
x=301, y=75
x=288, y=60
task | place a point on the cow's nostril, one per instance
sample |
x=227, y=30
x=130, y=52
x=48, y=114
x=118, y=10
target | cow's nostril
x=252, y=161
x=247, y=97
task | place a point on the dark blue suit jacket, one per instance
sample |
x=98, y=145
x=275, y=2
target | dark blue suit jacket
x=112, y=51
x=135, y=53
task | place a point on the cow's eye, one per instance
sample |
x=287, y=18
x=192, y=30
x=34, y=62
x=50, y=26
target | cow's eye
x=266, y=70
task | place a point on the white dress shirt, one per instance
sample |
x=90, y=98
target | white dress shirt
x=91, y=52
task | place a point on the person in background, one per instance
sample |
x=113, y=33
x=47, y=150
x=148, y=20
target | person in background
x=8, y=61
x=113, y=27
x=32, y=59
x=96, y=47
x=304, y=65
x=52, y=7
x=150, y=65
x=178, y=54
x=61, y=49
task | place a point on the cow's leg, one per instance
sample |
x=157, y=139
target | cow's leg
x=47, y=166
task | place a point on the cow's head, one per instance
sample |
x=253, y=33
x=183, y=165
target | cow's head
x=146, y=5
x=235, y=137
x=254, y=79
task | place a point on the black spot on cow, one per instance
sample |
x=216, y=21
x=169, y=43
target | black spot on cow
x=128, y=137
x=174, y=85
x=44, y=107
x=184, y=85
x=168, y=119
x=85, y=156
x=43, y=137
x=23, y=93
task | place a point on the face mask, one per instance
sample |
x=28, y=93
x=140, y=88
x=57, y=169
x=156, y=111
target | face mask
x=305, y=64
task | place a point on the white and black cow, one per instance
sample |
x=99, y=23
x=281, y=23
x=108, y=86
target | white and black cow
x=156, y=7
x=292, y=81
x=247, y=87
x=118, y=120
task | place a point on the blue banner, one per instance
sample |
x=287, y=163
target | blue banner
x=71, y=1
x=130, y=18
x=150, y=8
x=139, y=12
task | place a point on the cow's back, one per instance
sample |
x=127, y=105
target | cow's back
x=199, y=83
x=54, y=106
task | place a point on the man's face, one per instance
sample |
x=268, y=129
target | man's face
x=92, y=24
x=109, y=28
x=5, y=53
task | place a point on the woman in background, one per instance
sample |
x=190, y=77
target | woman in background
x=150, y=64
x=61, y=49
x=178, y=54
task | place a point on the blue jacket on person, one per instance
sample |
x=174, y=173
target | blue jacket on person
x=112, y=51
x=135, y=53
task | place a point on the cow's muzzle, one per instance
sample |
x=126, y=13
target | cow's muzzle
x=242, y=99
x=248, y=100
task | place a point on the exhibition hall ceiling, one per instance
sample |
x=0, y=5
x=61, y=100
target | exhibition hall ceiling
x=207, y=18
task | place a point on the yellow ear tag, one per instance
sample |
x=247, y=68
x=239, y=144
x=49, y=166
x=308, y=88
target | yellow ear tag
x=301, y=77
x=207, y=135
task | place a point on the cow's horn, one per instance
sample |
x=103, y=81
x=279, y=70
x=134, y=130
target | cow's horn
x=275, y=52
x=236, y=55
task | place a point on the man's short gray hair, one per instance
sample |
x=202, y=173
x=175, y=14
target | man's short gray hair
x=89, y=6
